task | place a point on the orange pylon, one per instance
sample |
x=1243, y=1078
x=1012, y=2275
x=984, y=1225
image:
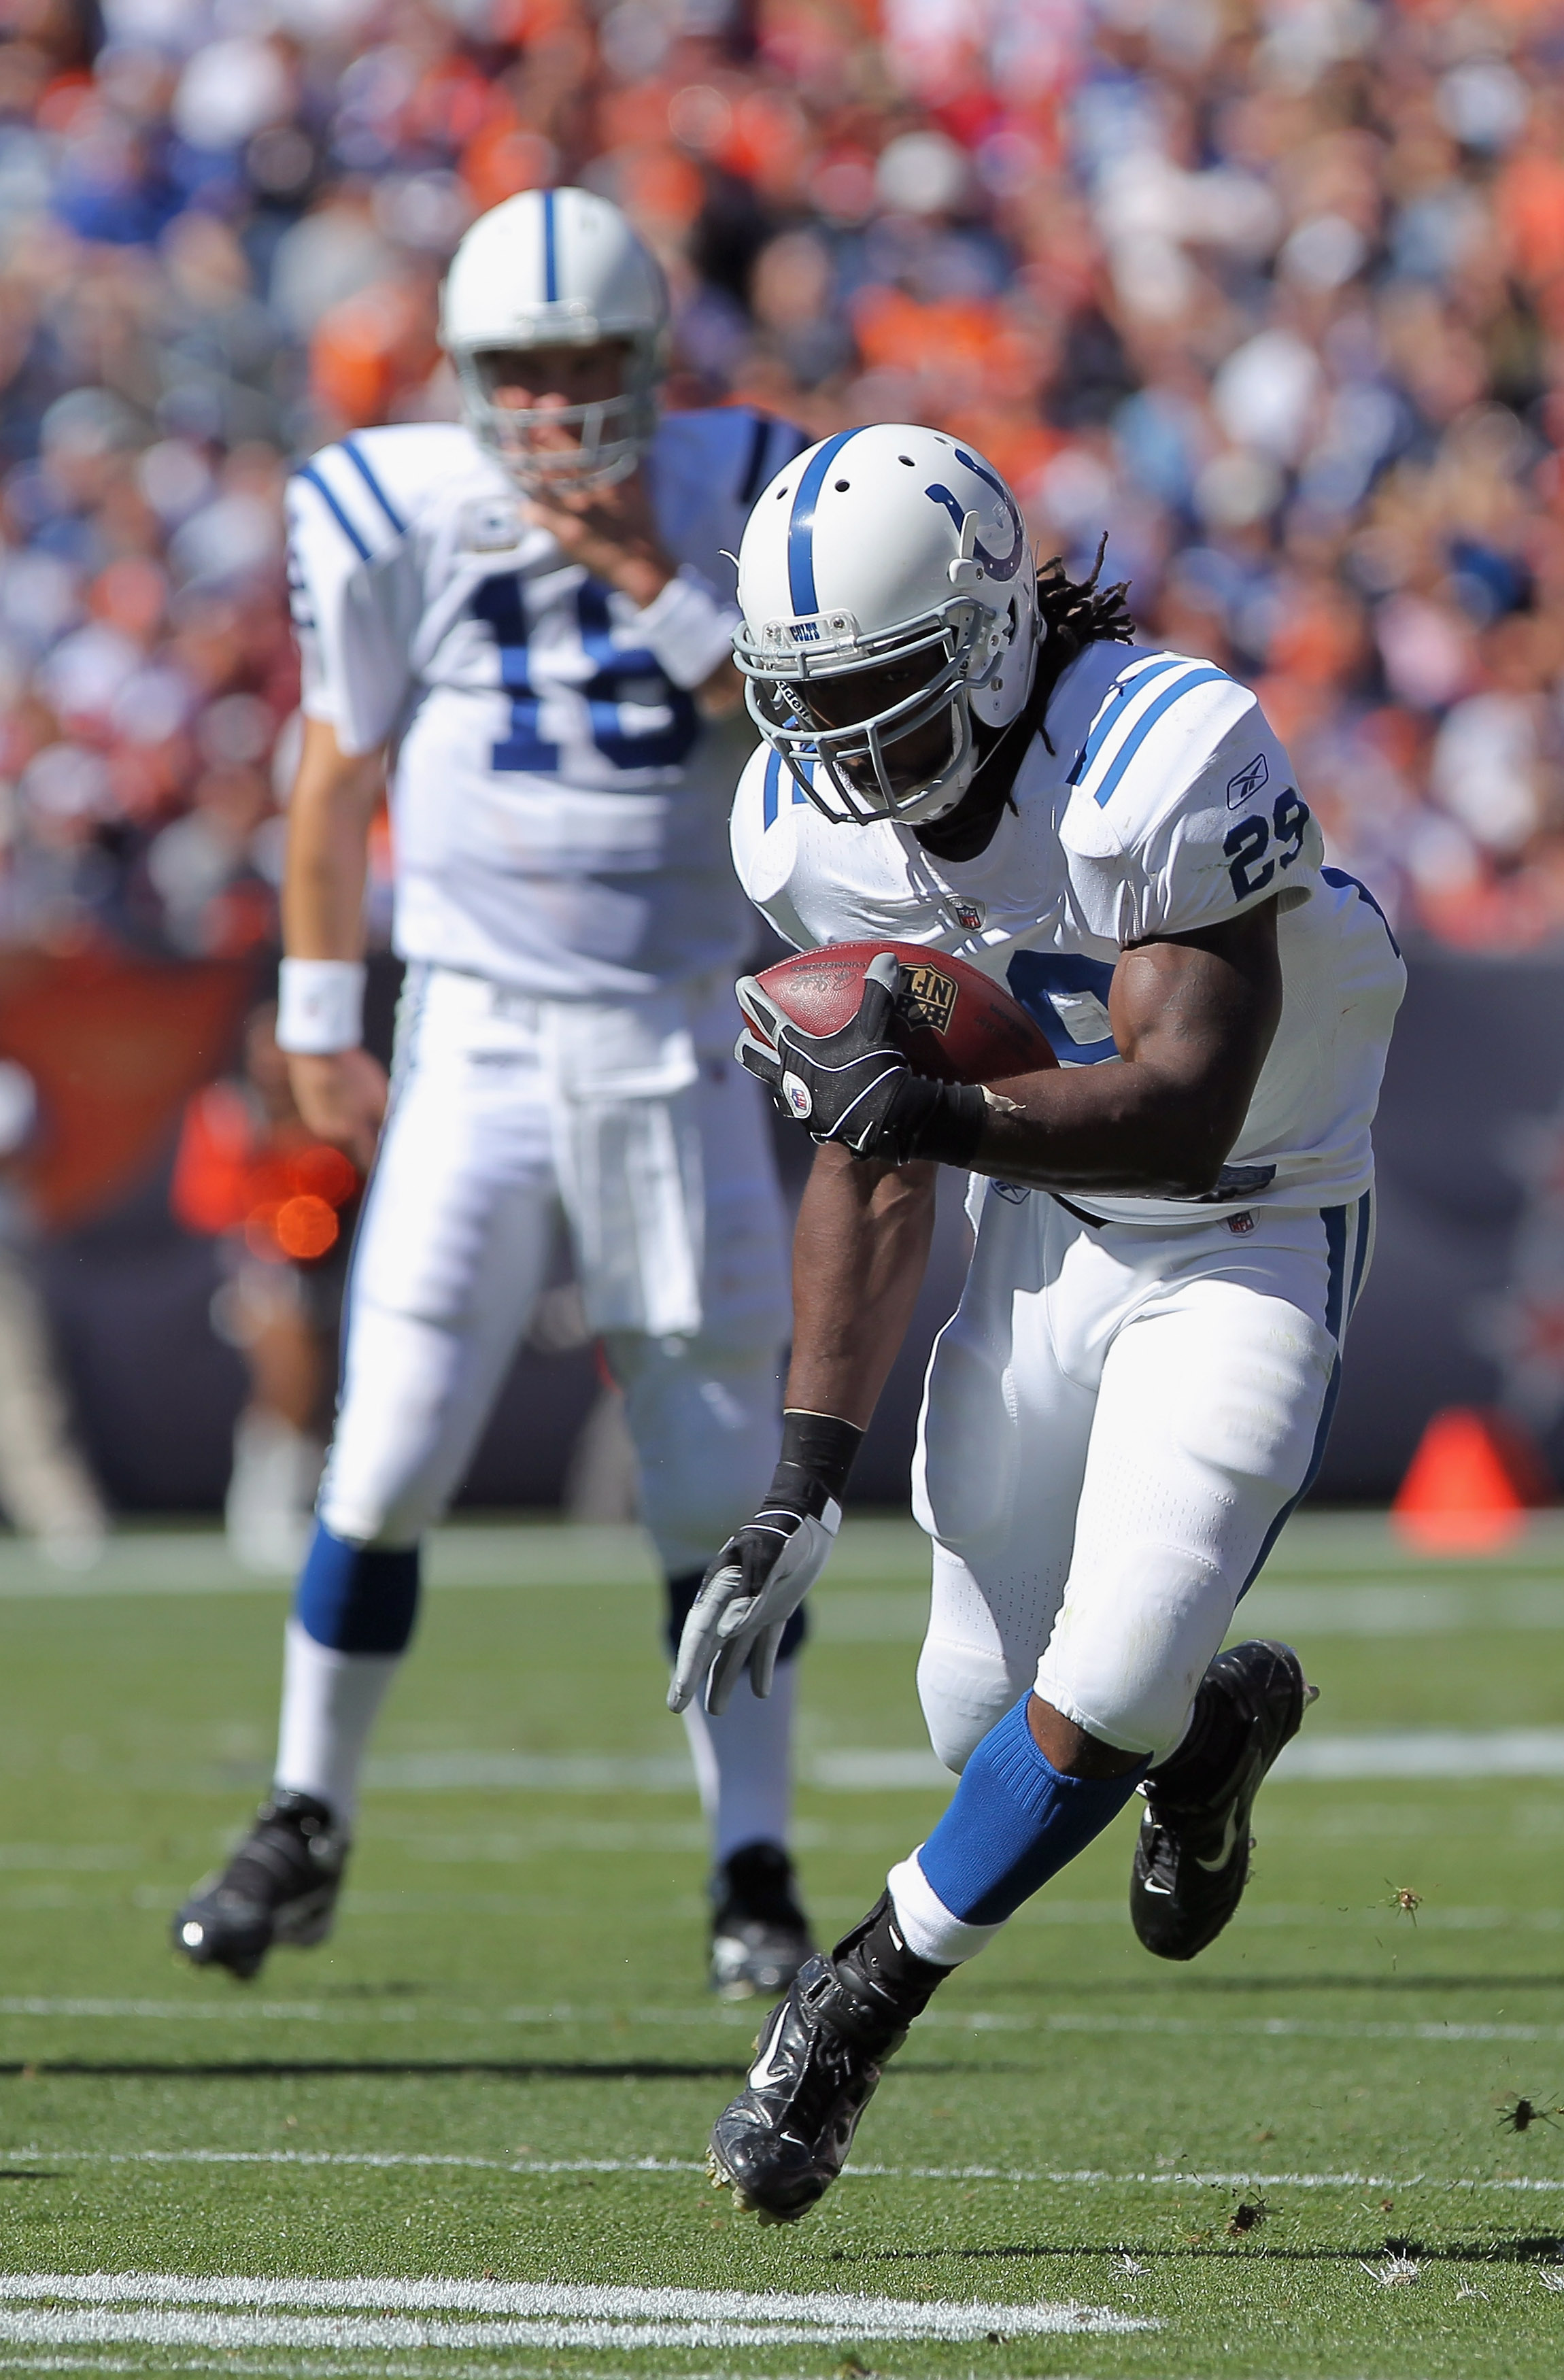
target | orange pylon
x=1470, y=1485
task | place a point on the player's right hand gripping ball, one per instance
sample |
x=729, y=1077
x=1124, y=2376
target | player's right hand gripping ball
x=746, y=1599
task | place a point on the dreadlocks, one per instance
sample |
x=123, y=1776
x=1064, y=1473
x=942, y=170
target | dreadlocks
x=1075, y=612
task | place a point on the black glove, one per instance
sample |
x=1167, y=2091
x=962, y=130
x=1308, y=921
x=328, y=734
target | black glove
x=766, y=1569
x=854, y=1086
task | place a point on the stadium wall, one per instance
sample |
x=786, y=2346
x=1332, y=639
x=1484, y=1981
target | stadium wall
x=1470, y=1141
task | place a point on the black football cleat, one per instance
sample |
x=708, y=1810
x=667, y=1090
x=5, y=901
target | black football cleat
x=760, y=1935
x=783, y=2142
x=1191, y=1855
x=280, y=1886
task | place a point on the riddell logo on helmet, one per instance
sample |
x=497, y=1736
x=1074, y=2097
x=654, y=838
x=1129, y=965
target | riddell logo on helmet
x=928, y=998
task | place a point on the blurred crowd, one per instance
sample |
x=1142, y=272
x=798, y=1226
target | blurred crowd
x=1272, y=290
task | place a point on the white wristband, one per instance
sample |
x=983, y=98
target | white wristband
x=319, y=1005
x=688, y=630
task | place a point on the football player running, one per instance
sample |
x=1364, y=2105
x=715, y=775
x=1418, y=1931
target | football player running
x=1172, y=1228
x=520, y=611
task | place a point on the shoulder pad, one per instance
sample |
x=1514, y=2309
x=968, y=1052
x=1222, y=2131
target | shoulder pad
x=1154, y=730
x=375, y=483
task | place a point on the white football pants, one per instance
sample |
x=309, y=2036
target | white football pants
x=637, y=1120
x=1116, y=1423
x=673, y=1200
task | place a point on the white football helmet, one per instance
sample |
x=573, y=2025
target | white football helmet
x=889, y=548
x=556, y=268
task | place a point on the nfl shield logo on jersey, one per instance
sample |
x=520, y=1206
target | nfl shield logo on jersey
x=968, y=914
x=796, y=1094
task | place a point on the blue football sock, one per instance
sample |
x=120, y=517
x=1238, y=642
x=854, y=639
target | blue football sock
x=1013, y=1822
x=357, y=1598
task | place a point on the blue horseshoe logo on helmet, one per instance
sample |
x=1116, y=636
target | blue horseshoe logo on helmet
x=997, y=566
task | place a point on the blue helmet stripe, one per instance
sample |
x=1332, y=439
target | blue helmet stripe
x=551, y=262
x=801, y=526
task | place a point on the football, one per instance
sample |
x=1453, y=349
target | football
x=951, y=1021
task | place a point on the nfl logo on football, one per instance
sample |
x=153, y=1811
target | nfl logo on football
x=929, y=998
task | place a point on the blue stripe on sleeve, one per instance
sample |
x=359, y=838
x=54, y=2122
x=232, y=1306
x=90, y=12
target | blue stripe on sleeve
x=316, y=482
x=551, y=260
x=1112, y=711
x=1144, y=724
x=773, y=785
x=801, y=526
x=354, y=454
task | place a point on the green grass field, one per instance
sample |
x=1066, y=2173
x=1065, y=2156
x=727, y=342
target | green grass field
x=463, y=2136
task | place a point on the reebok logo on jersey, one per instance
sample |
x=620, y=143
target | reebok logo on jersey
x=1248, y=782
x=927, y=997
x=796, y=1094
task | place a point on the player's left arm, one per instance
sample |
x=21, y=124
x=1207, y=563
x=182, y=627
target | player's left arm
x=1194, y=1017
x=613, y=533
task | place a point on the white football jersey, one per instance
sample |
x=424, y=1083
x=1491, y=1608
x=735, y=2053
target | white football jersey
x=557, y=802
x=1166, y=805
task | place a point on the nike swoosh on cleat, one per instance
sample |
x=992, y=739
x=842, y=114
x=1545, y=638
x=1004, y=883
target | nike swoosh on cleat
x=761, y=2074
x=1230, y=1836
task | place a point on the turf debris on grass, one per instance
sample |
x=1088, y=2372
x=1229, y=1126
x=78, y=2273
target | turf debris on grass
x=482, y=2107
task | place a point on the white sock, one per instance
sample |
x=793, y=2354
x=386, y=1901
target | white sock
x=271, y=1491
x=927, y=1927
x=742, y=1764
x=330, y=1703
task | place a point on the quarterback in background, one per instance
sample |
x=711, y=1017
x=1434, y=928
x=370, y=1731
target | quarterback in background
x=519, y=614
x=1173, y=1224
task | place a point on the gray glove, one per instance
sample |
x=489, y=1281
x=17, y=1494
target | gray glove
x=746, y=1599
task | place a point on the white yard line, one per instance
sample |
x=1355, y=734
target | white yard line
x=1076, y=2178
x=1306, y=1609
x=844, y=1771
x=744, y=2020
x=193, y=2310
x=389, y=2334
x=1328, y=1553
x=1446, y=1756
